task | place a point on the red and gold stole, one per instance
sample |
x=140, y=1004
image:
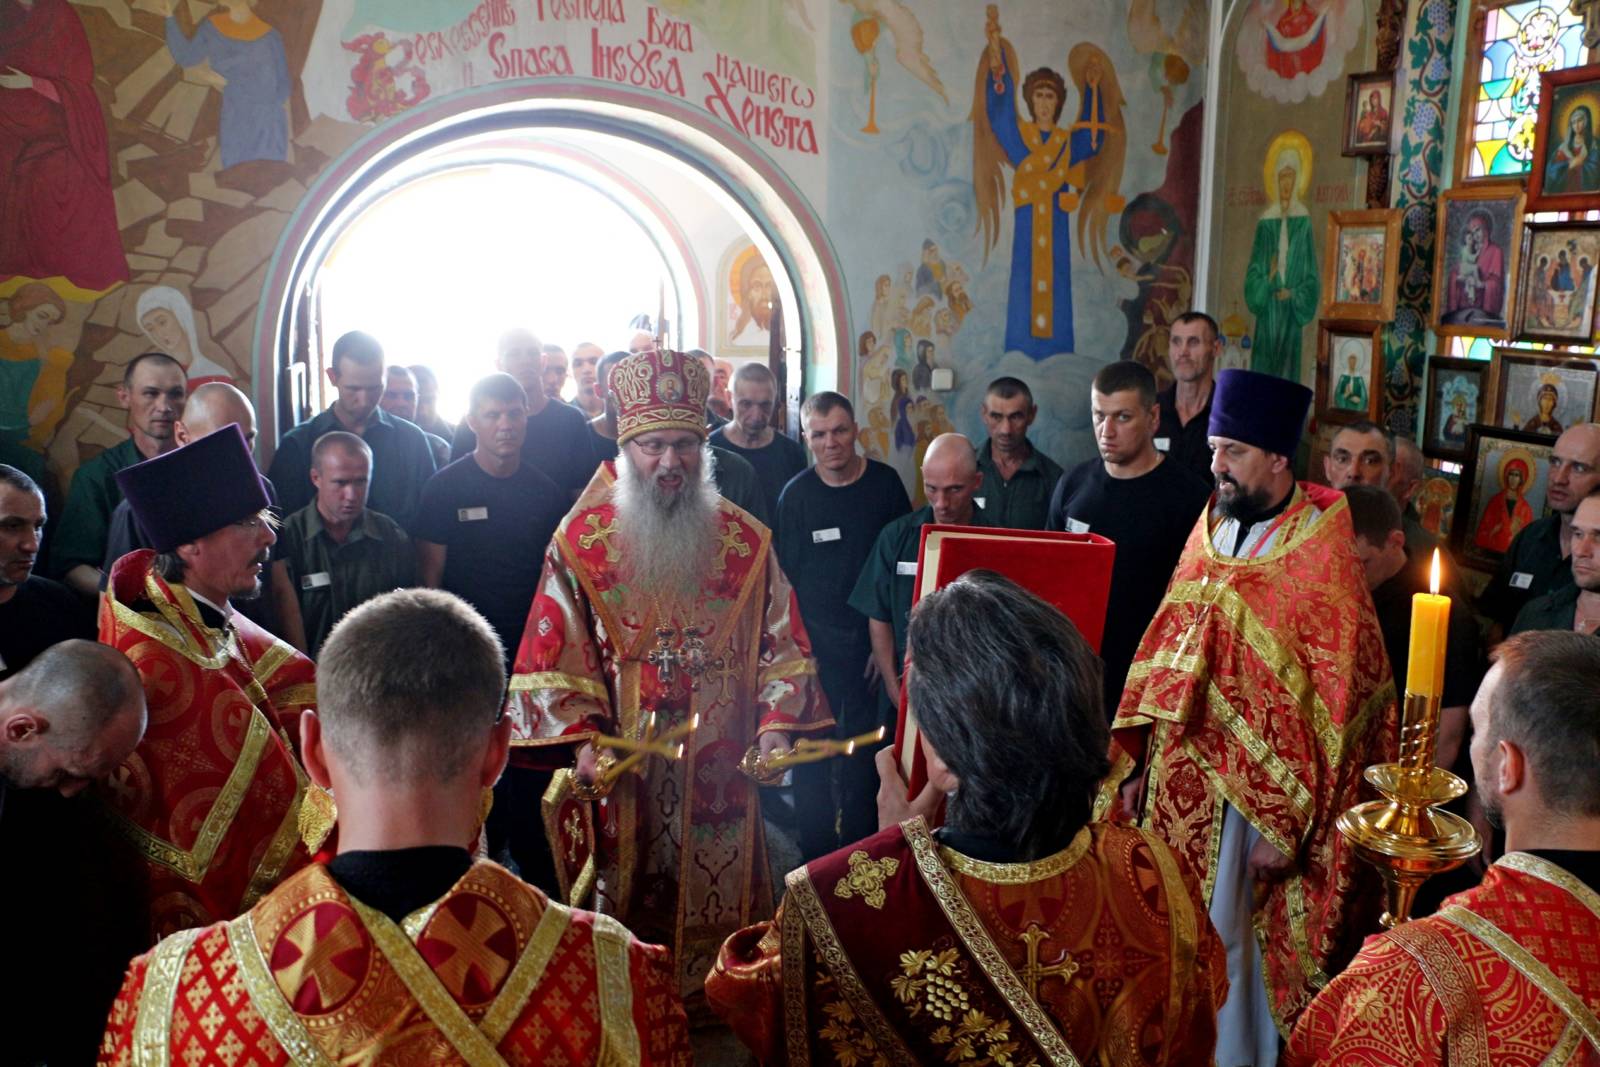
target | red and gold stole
x=211, y=796
x=492, y=972
x=940, y=989
x=1263, y=683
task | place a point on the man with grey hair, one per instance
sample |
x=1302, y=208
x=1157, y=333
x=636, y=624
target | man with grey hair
x=751, y=436
x=556, y=441
x=662, y=605
x=400, y=400
x=35, y=612
x=336, y=552
x=407, y=746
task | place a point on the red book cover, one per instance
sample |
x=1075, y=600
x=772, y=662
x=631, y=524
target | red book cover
x=1070, y=570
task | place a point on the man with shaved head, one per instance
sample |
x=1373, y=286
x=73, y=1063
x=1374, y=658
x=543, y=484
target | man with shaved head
x=585, y=374
x=557, y=441
x=883, y=592
x=751, y=435
x=72, y=890
x=400, y=400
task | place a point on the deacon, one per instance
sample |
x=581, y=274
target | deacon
x=211, y=796
x=660, y=597
x=1505, y=973
x=1259, y=695
x=1019, y=931
x=402, y=948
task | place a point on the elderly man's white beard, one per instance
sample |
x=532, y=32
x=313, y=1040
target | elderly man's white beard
x=666, y=538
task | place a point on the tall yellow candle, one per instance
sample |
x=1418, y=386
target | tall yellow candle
x=1430, y=624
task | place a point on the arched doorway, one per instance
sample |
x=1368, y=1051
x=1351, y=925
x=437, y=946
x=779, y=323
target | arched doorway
x=779, y=220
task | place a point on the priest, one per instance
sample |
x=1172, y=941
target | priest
x=402, y=948
x=212, y=795
x=1259, y=694
x=660, y=597
x=1019, y=931
x=1504, y=973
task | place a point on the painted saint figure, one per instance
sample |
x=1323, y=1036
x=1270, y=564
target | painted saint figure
x=1351, y=394
x=1281, y=285
x=249, y=56
x=57, y=218
x=33, y=372
x=1548, y=396
x=1507, y=511
x=1049, y=161
x=1573, y=165
x=167, y=319
x=1475, y=285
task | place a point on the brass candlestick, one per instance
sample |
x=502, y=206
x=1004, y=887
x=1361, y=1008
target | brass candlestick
x=769, y=770
x=610, y=769
x=1406, y=836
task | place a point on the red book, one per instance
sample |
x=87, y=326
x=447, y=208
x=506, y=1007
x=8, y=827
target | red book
x=1070, y=570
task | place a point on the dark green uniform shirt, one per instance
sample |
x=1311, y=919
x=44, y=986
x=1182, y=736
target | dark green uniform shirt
x=889, y=579
x=1532, y=567
x=329, y=578
x=1557, y=610
x=1023, y=503
x=80, y=536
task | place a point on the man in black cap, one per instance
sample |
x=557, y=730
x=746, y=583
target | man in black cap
x=1257, y=698
x=210, y=796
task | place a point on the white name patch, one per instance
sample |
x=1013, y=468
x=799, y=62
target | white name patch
x=980, y=501
x=1163, y=444
x=1522, y=580
x=819, y=536
x=315, y=581
x=471, y=514
x=1077, y=526
x=906, y=567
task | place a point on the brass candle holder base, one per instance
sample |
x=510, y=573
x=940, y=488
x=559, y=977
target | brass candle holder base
x=1405, y=835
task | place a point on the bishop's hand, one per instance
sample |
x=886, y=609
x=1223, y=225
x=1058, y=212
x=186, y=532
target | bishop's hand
x=772, y=743
x=893, y=807
x=588, y=768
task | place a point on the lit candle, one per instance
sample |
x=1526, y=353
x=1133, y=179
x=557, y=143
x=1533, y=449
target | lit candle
x=1430, y=624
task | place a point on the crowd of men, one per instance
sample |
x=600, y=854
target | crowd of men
x=270, y=767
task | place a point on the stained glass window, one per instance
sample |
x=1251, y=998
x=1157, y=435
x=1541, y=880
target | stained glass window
x=1520, y=40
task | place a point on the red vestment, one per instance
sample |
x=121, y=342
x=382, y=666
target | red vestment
x=680, y=856
x=1262, y=683
x=211, y=797
x=56, y=212
x=492, y=972
x=1506, y=974
x=898, y=950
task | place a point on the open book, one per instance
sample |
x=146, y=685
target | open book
x=1070, y=570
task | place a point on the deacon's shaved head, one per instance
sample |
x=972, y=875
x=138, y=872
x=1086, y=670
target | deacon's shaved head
x=215, y=405
x=71, y=716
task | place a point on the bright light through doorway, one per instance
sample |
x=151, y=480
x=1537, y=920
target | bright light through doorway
x=439, y=268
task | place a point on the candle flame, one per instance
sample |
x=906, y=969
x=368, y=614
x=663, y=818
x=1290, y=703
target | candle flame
x=880, y=733
x=1433, y=578
x=680, y=752
x=850, y=749
x=694, y=722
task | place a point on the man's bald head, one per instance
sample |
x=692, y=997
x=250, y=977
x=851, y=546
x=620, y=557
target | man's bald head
x=1574, y=467
x=70, y=717
x=950, y=478
x=215, y=405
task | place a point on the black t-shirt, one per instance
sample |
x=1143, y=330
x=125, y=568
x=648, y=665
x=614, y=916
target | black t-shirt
x=1188, y=443
x=399, y=881
x=1149, y=517
x=1392, y=600
x=775, y=464
x=41, y=613
x=558, y=443
x=824, y=535
x=496, y=530
x=603, y=447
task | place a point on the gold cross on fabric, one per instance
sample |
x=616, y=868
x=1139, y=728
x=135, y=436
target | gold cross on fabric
x=471, y=948
x=574, y=828
x=316, y=956
x=1033, y=972
x=598, y=534
x=729, y=541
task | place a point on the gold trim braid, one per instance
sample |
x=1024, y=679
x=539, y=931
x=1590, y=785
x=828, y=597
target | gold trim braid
x=1545, y=871
x=152, y=1044
x=1021, y=873
x=1467, y=1037
x=287, y=1028
x=541, y=680
x=619, y=1037
x=528, y=972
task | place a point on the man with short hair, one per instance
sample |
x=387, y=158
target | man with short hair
x=1505, y=972
x=1258, y=696
x=884, y=590
x=554, y=441
x=1017, y=912
x=661, y=601
x=585, y=373
x=553, y=375
x=751, y=437
x=428, y=417
x=1394, y=576
x=829, y=517
x=1360, y=454
x=401, y=457
x=400, y=400
x=1405, y=479
x=1575, y=606
x=717, y=415
x=1539, y=558
x=1139, y=498
x=210, y=796
x=1194, y=344
x=379, y=954
x=152, y=391
x=336, y=553
x=1017, y=478
x=482, y=533
x=72, y=889
x=35, y=612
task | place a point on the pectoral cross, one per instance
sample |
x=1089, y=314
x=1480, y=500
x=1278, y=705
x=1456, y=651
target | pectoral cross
x=1033, y=972
x=690, y=655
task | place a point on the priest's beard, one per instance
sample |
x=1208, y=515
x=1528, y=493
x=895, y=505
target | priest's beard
x=1240, y=503
x=667, y=537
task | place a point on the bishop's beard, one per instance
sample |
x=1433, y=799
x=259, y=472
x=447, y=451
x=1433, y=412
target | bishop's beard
x=666, y=537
